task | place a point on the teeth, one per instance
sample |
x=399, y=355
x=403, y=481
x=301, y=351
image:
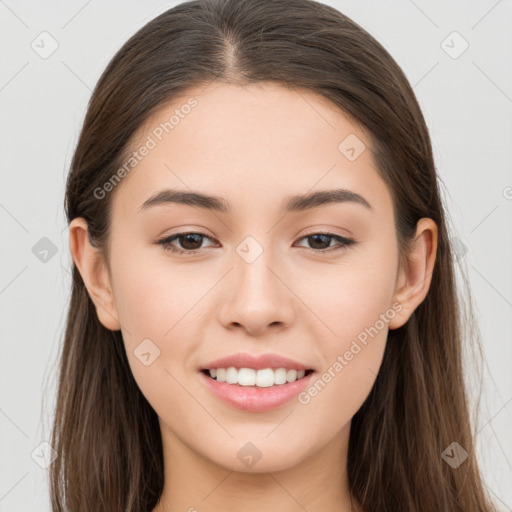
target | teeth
x=260, y=378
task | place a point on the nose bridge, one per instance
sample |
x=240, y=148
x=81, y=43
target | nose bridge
x=252, y=268
x=256, y=296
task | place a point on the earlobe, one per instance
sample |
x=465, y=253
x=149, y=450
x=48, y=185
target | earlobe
x=414, y=280
x=91, y=265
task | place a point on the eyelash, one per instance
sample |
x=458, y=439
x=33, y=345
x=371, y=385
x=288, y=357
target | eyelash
x=166, y=242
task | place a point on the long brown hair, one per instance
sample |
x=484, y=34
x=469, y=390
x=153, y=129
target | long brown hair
x=105, y=433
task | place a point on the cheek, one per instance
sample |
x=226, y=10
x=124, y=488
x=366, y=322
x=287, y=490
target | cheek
x=342, y=386
x=159, y=333
x=358, y=315
x=159, y=304
x=354, y=302
x=153, y=300
x=349, y=297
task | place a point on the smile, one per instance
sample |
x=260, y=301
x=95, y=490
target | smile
x=262, y=378
x=255, y=398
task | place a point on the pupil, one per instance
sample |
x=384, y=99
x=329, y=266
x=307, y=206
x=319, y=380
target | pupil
x=315, y=238
x=188, y=239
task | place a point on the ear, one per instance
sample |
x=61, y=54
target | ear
x=93, y=269
x=413, y=281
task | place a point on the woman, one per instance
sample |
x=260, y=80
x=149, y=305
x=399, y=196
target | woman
x=264, y=312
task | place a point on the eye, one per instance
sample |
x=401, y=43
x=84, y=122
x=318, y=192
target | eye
x=191, y=242
x=324, y=240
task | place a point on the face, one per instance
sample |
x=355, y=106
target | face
x=314, y=282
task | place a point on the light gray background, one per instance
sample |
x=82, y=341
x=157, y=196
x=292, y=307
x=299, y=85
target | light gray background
x=467, y=102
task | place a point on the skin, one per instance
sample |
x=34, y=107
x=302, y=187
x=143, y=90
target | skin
x=253, y=146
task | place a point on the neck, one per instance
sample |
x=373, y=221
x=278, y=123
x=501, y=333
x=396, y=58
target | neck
x=195, y=484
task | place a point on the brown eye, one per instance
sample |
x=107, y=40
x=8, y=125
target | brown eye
x=190, y=242
x=321, y=242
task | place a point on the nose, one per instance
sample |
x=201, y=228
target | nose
x=257, y=296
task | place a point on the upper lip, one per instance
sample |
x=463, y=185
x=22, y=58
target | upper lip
x=241, y=360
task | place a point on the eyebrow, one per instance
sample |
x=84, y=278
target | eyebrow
x=294, y=203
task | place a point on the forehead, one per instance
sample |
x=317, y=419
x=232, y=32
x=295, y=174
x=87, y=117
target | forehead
x=250, y=144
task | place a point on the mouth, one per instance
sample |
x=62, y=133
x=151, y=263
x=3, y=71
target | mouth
x=248, y=377
x=256, y=391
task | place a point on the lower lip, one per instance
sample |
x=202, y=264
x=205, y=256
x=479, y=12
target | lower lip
x=255, y=399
